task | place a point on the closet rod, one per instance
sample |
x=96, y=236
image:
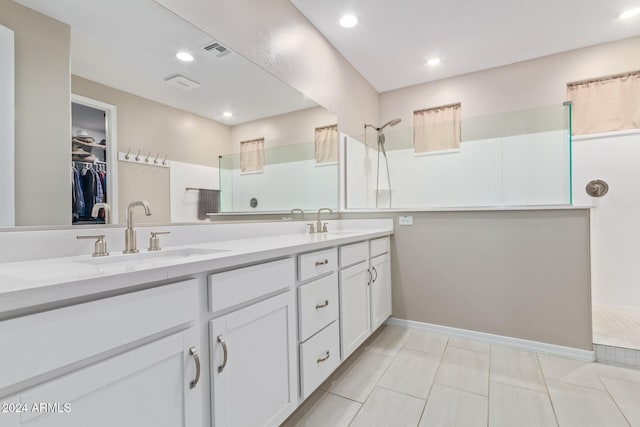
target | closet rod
x=194, y=188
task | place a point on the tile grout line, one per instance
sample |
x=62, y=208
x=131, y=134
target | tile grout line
x=606, y=389
x=489, y=384
x=393, y=358
x=546, y=386
x=446, y=344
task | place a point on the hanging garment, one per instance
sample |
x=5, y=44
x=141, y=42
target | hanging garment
x=77, y=197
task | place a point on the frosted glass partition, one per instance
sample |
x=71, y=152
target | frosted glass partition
x=290, y=179
x=520, y=158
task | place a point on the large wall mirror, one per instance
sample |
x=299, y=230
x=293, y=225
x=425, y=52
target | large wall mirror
x=100, y=97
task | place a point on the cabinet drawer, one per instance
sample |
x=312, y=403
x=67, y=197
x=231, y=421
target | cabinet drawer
x=353, y=254
x=317, y=263
x=380, y=246
x=317, y=305
x=319, y=357
x=234, y=287
x=43, y=342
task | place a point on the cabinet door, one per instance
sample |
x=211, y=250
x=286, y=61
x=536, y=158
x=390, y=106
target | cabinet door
x=147, y=386
x=380, y=290
x=354, y=307
x=253, y=367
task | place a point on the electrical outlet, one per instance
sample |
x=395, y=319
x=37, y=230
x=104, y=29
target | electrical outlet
x=405, y=220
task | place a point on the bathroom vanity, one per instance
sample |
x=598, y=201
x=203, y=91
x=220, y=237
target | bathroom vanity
x=233, y=332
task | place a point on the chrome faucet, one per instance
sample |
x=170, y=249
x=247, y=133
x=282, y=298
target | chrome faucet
x=130, y=243
x=107, y=211
x=319, y=227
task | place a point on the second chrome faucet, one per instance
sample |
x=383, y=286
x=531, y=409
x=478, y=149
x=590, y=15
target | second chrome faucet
x=130, y=243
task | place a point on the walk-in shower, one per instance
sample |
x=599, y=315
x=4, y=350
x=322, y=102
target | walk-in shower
x=381, y=140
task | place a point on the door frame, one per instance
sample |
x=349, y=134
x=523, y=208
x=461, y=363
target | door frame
x=112, y=148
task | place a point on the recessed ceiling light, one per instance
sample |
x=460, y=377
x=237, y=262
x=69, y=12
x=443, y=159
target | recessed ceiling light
x=434, y=61
x=227, y=114
x=348, y=21
x=630, y=13
x=184, y=56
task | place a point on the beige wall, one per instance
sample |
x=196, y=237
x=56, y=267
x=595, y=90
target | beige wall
x=522, y=274
x=157, y=128
x=285, y=129
x=277, y=37
x=534, y=83
x=43, y=116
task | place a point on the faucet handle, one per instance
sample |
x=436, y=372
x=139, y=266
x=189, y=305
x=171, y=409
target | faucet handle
x=154, y=240
x=312, y=228
x=324, y=227
x=99, y=247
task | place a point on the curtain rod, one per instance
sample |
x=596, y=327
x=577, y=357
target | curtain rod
x=252, y=140
x=326, y=127
x=604, y=78
x=457, y=104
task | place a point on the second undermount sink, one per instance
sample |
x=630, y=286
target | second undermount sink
x=162, y=255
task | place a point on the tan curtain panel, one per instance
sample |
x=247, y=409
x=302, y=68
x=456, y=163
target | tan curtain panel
x=606, y=104
x=252, y=155
x=327, y=144
x=437, y=129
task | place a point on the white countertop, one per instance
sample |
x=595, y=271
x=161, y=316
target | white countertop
x=27, y=284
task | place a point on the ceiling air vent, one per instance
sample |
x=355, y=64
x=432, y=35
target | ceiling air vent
x=216, y=47
x=182, y=82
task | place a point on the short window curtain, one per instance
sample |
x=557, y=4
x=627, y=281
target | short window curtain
x=252, y=155
x=327, y=144
x=605, y=104
x=437, y=129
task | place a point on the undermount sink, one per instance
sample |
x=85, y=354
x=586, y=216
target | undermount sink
x=161, y=255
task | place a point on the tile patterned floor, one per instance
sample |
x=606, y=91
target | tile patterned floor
x=406, y=377
x=616, y=326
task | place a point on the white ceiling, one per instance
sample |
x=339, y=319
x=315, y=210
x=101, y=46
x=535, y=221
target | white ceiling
x=394, y=39
x=131, y=45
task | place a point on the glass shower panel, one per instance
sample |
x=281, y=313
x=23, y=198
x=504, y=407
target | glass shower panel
x=519, y=158
x=291, y=178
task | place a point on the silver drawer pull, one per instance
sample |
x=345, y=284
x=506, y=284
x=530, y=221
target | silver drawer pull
x=325, y=357
x=319, y=263
x=194, y=353
x=225, y=353
x=323, y=305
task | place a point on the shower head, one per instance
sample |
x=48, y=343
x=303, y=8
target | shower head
x=391, y=123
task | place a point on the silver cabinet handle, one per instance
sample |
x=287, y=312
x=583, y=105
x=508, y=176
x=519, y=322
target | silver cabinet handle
x=319, y=263
x=194, y=353
x=225, y=353
x=323, y=305
x=375, y=271
x=370, y=277
x=325, y=357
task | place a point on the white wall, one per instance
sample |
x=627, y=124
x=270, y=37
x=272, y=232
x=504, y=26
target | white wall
x=523, y=85
x=615, y=222
x=7, y=117
x=184, y=203
x=283, y=186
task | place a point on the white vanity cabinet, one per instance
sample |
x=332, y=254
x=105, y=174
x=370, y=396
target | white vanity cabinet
x=253, y=355
x=365, y=291
x=380, y=282
x=318, y=314
x=154, y=383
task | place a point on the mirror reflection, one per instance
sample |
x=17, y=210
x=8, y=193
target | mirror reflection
x=144, y=106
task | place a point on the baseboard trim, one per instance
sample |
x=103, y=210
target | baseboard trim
x=536, y=346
